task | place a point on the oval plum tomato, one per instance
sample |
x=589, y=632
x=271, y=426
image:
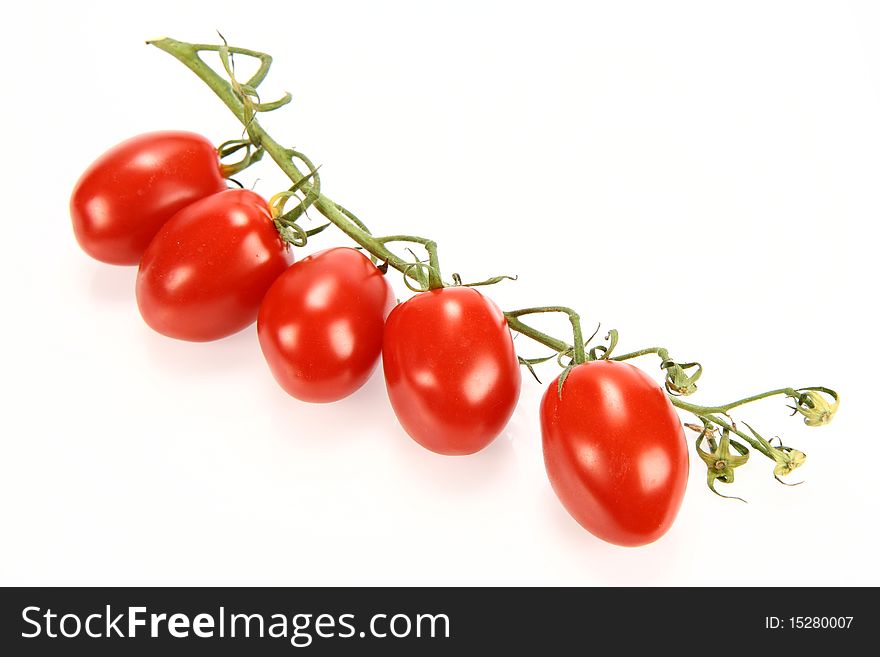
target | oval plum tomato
x=205, y=273
x=320, y=324
x=125, y=196
x=615, y=452
x=450, y=368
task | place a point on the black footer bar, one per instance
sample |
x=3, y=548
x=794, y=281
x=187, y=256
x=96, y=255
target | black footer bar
x=427, y=621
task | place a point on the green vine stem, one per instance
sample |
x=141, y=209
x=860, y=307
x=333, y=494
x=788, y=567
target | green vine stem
x=578, y=351
x=188, y=54
x=681, y=378
x=559, y=346
x=726, y=408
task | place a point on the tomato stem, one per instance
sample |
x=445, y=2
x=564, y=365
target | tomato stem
x=519, y=326
x=579, y=353
x=726, y=408
x=640, y=352
x=730, y=426
x=681, y=378
x=188, y=54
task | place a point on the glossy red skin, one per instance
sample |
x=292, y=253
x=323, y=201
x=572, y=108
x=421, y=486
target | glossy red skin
x=615, y=452
x=205, y=273
x=124, y=197
x=450, y=369
x=321, y=323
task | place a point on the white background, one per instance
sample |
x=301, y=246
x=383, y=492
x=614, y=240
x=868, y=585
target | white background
x=702, y=176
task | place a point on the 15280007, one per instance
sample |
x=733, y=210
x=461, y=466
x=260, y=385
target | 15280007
x=809, y=622
x=821, y=622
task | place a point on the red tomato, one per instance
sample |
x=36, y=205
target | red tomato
x=450, y=369
x=206, y=271
x=615, y=452
x=125, y=196
x=320, y=324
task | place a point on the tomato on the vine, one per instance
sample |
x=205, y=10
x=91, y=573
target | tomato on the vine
x=129, y=192
x=320, y=324
x=450, y=368
x=615, y=451
x=205, y=273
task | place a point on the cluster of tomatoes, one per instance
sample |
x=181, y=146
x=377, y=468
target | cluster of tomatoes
x=211, y=262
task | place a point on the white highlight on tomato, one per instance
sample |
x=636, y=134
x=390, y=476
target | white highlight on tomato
x=177, y=278
x=425, y=378
x=481, y=380
x=341, y=338
x=320, y=295
x=452, y=309
x=288, y=336
x=655, y=468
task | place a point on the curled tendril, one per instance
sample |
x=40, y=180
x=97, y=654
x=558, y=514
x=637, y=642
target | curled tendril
x=294, y=154
x=285, y=221
x=292, y=233
x=456, y=280
x=233, y=146
x=601, y=351
x=678, y=381
x=568, y=353
x=426, y=272
x=312, y=179
x=278, y=201
x=719, y=460
x=275, y=104
x=247, y=92
x=530, y=362
x=419, y=277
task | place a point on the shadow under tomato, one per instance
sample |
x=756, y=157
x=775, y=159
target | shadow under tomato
x=203, y=360
x=456, y=476
x=366, y=415
x=108, y=283
x=360, y=414
x=606, y=564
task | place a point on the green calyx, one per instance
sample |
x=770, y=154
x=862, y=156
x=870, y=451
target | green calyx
x=678, y=380
x=719, y=460
x=787, y=459
x=814, y=406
